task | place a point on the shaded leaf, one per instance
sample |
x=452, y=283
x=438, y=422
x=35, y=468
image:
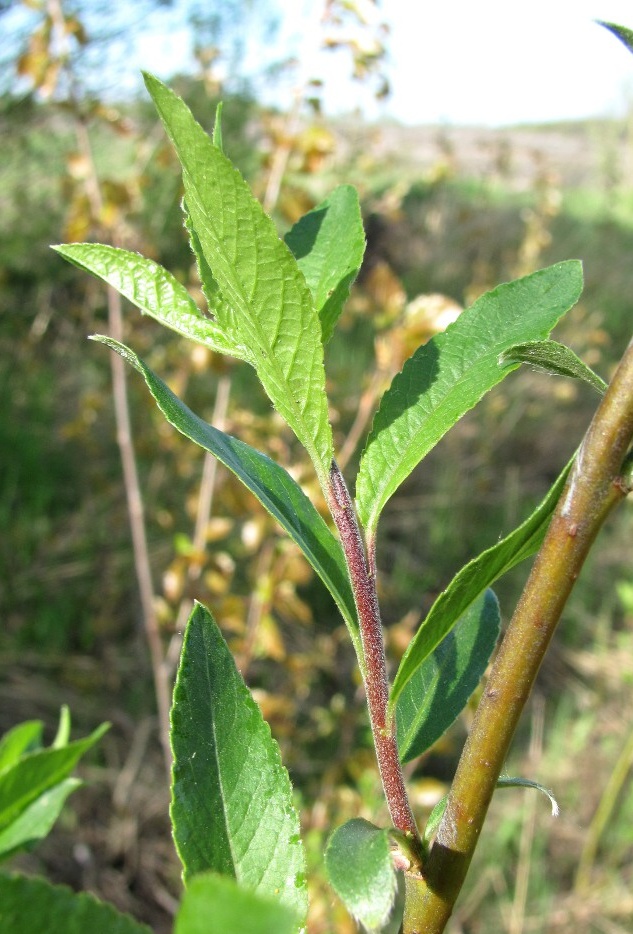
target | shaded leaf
x=360, y=870
x=271, y=484
x=443, y=683
x=469, y=583
x=23, y=738
x=214, y=904
x=31, y=905
x=152, y=289
x=554, y=358
x=36, y=820
x=231, y=810
x=447, y=376
x=39, y=771
x=273, y=312
x=328, y=243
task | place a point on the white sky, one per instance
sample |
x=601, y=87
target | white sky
x=490, y=62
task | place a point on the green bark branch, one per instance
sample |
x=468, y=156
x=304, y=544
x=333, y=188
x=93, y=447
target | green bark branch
x=595, y=486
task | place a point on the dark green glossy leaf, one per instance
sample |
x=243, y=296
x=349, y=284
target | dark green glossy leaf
x=554, y=358
x=232, y=810
x=271, y=484
x=447, y=376
x=360, y=870
x=443, y=683
x=469, y=583
x=328, y=243
x=152, y=289
x=214, y=904
x=36, y=820
x=30, y=906
x=272, y=311
x=37, y=772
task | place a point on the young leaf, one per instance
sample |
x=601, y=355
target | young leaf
x=37, y=772
x=273, y=312
x=36, y=820
x=30, y=905
x=271, y=484
x=23, y=738
x=473, y=579
x=623, y=34
x=447, y=376
x=63, y=730
x=214, y=904
x=442, y=685
x=152, y=289
x=554, y=358
x=231, y=809
x=328, y=243
x=360, y=870
x=436, y=815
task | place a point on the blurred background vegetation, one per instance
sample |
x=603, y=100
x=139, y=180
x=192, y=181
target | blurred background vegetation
x=449, y=213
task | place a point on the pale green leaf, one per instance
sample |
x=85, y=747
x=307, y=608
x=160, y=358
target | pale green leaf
x=63, y=730
x=23, y=738
x=554, y=358
x=273, y=313
x=447, y=376
x=271, y=484
x=31, y=906
x=473, y=579
x=232, y=810
x=215, y=904
x=328, y=243
x=37, y=819
x=360, y=869
x=153, y=290
x=441, y=686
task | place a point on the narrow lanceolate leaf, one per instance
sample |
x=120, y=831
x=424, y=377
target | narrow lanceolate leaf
x=473, y=579
x=37, y=772
x=152, y=289
x=554, y=358
x=214, y=904
x=360, y=870
x=440, y=688
x=273, y=312
x=449, y=375
x=328, y=243
x=271, y=484
x=28, y=905
x=436, y=815
x=624, y=35
x=231, y=810
x=36, y=820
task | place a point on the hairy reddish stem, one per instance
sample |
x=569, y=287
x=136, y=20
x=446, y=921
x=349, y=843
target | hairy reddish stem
x=375, y=676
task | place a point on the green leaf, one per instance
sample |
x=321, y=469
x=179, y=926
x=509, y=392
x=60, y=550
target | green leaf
x=443, y=683
x=30, y=905
x=273, y=313
x=360, y=870
x=23, y=738
x=447, y=376
x=623, y=34
x=152, y=289
x=469, y=583
x=217, y=127
x=554, y=358
x=37, y=772
x=271, y=484
x=231, y=810
x=63, y=730
x=436, y=815
x=36, y=820
x=214, y=904
x=328, y=243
